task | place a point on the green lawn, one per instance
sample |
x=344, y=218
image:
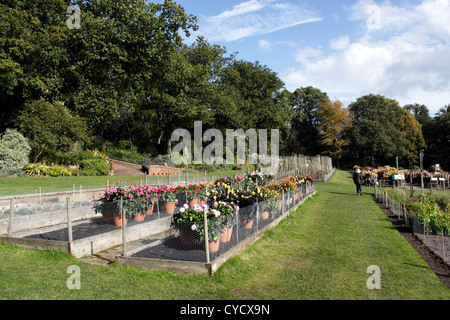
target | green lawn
x=31, y=185
x=321, y=252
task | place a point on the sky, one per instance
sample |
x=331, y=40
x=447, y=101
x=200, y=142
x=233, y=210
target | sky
x=398, y=49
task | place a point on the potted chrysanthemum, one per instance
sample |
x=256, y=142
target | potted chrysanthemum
x=168, y=196
x=228, y=217
x=109, y=203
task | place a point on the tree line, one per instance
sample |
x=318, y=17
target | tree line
x=126, y=74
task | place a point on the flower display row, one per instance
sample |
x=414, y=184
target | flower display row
x=387, y=172
x=136, y=200
x=234, y=191
x=233, y=199
x=430, y=209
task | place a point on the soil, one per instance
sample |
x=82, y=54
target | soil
x=436, y=263
x=83, y=230
x=171, y=248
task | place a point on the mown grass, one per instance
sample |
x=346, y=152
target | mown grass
x=320, y=252
x=31, y=185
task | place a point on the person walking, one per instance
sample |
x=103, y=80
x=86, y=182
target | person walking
x=357, y=179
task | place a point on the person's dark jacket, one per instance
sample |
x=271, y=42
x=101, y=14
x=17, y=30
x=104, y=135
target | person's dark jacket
x=357, y=178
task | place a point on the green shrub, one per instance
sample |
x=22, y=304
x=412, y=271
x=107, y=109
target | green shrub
x=51, y=126
x=14, y=150
x=69, y=158
x=36, y=169
x=94, y=167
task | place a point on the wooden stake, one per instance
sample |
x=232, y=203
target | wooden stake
x=124, y=230
x=405, y=215
x=11, y=213
x=69, y=220
x=205, y=221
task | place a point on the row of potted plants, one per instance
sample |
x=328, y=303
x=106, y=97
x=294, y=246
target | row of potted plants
x=230, y=199
x=238, y=190
x=137, y=201
x=412, y=174
x=431, y=210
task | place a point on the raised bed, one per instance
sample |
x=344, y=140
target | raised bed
x=88, y=236
x=169, y=254
x=80, y=232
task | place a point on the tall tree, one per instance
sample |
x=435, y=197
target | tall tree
x=101, y=70
x=259, y=95
x=334, y=123
x=439, y=149
x=120, y=50
x=375, y=139
x=422, y=115
x=305, y=138
x=33, y=53
x=186, y=90
x=411, y=131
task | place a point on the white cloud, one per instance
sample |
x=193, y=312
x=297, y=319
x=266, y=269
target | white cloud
x=254, y=17
x=340, y=43
x=407, y=59
x=437, y=14
x=265, y=45
x=391, y=17
x=307, y=55
x=240, y=9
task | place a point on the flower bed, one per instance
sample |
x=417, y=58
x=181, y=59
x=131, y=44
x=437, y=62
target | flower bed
x=236, y=191
x=239, y=210
x=234, y=209
x=431, y=211
x=429, y=217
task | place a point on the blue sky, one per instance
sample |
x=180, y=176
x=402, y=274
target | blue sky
x=399, y=49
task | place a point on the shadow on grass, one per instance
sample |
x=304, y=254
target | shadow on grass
x=336, y=192
x=416, y=265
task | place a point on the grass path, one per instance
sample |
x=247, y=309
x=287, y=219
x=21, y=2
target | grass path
x=322, y=251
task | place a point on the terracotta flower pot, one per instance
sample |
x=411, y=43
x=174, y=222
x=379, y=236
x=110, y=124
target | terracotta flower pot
x=265, y=215
x=118, y=220
x=213, y=246
x=187, y=237
x=108, y=215
x=150, y=210
x=140, y=217
x=193, y=202
x=225, y=236
x=169, y=207
x=202, y=202
x=230, y=233
x=247, y=222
